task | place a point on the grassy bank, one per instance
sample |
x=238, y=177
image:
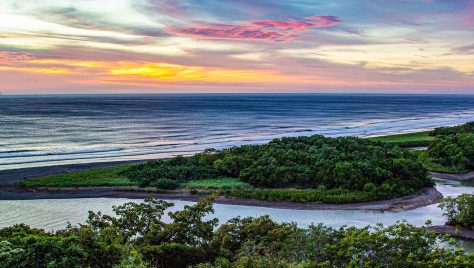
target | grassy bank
x=111, y=176
x=104, y=176
x=224, y=183
x=417, y=139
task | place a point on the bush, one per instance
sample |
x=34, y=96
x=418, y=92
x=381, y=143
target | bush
x=165, y=184
x=459, y=210
x=446, y=131
x=334, y=196
x=453, y=148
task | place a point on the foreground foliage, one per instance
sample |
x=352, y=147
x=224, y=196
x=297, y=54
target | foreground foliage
x=459, y=210
x=139, y=237
x=346, y=163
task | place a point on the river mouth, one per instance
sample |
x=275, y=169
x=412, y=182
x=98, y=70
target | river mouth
x=54, y=214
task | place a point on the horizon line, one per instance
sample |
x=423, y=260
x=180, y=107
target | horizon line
x=239, y=93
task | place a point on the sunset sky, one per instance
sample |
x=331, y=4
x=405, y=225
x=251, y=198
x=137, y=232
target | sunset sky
x=145, y=46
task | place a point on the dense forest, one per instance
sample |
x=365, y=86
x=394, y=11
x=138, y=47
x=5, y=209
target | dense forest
x=453, y=148
x=137, y=236
x=373, y=169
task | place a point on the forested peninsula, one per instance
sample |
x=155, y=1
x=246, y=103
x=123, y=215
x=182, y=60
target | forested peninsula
x=314, y=169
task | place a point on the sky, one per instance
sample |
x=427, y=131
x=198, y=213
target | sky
x=148, y=46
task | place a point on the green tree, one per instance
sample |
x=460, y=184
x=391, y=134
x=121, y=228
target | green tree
x=459, y=210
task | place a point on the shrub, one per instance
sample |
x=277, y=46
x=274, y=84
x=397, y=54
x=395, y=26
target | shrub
x=459, y=210
x=445, y=131
x=453, y=148
x=165, y=184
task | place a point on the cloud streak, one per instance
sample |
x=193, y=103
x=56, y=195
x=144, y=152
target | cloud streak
x=8, y=58
x=158, y=45
x=265, y=31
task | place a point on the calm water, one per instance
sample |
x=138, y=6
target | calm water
x=53, y=214
x=61, y=129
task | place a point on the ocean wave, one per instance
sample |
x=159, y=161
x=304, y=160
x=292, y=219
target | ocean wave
x=16, y=151
x=20, y=153
x=185, y=126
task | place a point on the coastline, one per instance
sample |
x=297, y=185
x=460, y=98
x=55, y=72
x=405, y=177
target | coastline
x=453, y=231
x=10, y=189
x=454, y=176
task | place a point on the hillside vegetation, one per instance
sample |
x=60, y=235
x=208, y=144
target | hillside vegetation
x=347, y=164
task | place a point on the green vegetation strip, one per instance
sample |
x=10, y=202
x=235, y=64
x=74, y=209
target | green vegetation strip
x=225, y=183
x=104, y=176
x=332, y=196
x=417, y=139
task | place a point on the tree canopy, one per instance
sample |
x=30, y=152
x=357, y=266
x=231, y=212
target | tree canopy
x=345, y=163
x=459, y=210
x=138, y=236
x=453, y=148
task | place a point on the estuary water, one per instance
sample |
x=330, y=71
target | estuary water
x=44, y=130
x=53, y=214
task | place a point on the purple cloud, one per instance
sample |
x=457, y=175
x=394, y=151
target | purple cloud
x=266, y=31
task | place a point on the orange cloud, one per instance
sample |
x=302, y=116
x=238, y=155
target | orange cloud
x=35, y=70
x=179, y=73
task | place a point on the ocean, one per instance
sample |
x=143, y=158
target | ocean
x=42, y=130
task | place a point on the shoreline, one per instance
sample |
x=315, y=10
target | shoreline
x=10, y=189
x=454, y=176
x=453, y=231
x=425, y=197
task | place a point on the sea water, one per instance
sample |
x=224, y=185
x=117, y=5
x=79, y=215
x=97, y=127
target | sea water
x=42, y=130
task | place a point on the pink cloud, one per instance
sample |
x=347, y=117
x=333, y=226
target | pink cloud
x=266, y=31
x=12, y=58
x=231, y=31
